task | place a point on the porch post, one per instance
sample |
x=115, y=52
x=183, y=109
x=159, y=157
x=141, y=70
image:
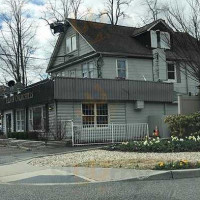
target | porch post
x=14, y=120
x=72, y=124
x=112, y=129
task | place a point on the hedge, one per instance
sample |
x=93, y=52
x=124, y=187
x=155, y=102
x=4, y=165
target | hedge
x=24, y=135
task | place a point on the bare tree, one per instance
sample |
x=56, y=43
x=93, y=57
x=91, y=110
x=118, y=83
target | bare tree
x=115, y=9
x=153, y=10
x=186, y=39
x=59, y=10
x=16, y=36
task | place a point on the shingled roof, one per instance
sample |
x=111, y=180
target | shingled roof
x=114, y=39
x=110, y=38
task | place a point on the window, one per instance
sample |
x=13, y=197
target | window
x=121, y=68
x=37, y=118
x=88, y=70
x=20, y=120
x=71, y=44
x=160, y=39
x=171, y=72
x=94, y=114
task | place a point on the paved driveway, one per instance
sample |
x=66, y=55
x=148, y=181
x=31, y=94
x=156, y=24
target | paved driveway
x=10, y=155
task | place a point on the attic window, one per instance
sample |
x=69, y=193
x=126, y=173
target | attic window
x=71, y=44
x=160, y=39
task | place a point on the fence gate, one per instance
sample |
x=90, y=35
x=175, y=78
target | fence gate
x=105, y=134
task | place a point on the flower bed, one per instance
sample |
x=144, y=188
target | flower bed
x=174, y=144
x=173, y=165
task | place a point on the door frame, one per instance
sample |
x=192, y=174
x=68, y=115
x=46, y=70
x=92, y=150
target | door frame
x=12, y=122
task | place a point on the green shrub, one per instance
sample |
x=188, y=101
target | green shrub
x=174, y=144
x=24, y=135
x=33, y=135
x=184, y=125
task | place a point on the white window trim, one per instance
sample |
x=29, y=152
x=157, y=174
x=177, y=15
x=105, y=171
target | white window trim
x=20, y=120
x=175, y=73
x=126, y=67
x=95, y=115
x=70, y=37
x=30, y=127
x=88, y=70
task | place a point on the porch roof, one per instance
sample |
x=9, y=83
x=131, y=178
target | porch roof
x=111, y=90
x=79, y=89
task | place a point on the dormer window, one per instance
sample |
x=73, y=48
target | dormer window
x=71, y=44
x=160, y=39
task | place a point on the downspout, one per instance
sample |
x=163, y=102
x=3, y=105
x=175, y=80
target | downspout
x=99, y=63
x=186, y=77
x=56, y=116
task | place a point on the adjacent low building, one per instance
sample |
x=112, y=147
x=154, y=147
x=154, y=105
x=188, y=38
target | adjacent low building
x=42, y=106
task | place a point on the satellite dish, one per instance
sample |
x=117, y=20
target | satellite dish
x=11, y=83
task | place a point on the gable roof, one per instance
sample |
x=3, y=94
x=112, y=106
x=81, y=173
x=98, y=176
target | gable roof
x=148, y=27
x=110, y=39
x=106, y=38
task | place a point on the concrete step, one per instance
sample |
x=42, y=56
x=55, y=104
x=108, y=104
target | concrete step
x=33, y=144
x=4, y=141
x=26, y=143
x=16, y=142
x=62, y=143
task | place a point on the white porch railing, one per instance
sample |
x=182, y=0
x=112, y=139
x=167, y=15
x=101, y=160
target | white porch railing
x=105, y=134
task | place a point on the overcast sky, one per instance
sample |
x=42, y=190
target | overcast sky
x=44, y=36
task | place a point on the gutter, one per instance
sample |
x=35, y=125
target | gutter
x=71, y=63
x=147, y=56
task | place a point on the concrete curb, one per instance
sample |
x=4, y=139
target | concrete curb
x=187, y=173
x=169, y=175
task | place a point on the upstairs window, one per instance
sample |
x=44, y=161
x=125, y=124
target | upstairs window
x=71, y=44
x=121, y=68
x=88, y=70
x=171, y=72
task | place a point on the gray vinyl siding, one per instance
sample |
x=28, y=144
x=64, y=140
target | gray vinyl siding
x=171, y=109
x=61, y=52
x=182, y=86
x=82, y=47
x=77, y=69
x=192, y=86
x=137, y=68
x=52, y=121
x=141, y=116
x=69, y=111
x=117, y=113
x=159, y=65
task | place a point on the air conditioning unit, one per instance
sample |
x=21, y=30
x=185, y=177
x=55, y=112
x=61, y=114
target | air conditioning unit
x=139, y=105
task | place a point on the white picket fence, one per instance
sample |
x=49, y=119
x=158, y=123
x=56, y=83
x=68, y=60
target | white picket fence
x=104, y=134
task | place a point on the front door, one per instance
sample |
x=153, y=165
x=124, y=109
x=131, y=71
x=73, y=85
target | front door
x=8, y=123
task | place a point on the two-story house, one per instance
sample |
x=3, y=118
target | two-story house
x=104, y=74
